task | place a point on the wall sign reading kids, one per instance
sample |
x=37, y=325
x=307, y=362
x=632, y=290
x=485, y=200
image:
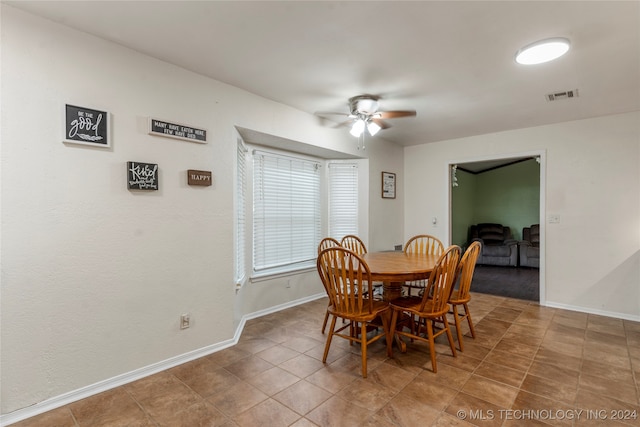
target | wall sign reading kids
x=86, y=126
x=142, y=176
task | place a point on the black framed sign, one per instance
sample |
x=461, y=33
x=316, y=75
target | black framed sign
x=142, y=176
x=388, y=185
x=177, y=130
x=87, y=126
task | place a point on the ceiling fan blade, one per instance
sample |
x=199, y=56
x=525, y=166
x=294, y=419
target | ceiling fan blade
x=381, y=123
x=330, y=113
x=343, y=124
x=396, y=114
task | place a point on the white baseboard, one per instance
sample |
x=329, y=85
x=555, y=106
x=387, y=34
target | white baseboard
x=624, y=316
x=128, y=377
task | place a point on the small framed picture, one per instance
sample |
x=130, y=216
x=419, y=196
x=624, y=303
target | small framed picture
x=142, y=176
x=86, y=126
x=388, y=185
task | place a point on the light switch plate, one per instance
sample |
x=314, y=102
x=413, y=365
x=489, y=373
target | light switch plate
x=554, y=219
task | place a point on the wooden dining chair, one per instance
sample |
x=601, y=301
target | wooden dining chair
x=353, y=243
x=327, y=242
x=345, y=274
x=422, y=244
x=461, y=296
x=430, y=309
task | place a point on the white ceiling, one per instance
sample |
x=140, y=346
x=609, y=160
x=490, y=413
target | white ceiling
x=451, y=61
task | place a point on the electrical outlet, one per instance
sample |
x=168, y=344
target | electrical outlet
x=185, y=321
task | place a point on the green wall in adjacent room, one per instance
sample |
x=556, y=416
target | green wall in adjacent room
x=462, y=207
x=508, y=195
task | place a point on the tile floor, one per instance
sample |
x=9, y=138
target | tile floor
x=528, y=366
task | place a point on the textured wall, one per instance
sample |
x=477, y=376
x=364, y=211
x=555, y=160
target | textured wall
x=95, y=277
x=590, y=180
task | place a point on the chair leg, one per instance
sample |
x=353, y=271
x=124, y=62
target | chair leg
x=468, y=314
x=385, y=317
x=328, y=344
x=413, y=321
x=392, y=331
x=363, y=349
x=449, y=336
x=456, y=317
x=432, y=346
x=324, y=324
x=352, y=331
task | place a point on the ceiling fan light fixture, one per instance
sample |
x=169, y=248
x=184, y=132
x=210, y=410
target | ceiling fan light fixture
x=543, y=51
x=357, y=128
x=373, y=128
x=367, y=105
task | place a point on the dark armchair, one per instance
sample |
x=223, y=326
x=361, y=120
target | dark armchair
x=530, y=247
x=498, y=245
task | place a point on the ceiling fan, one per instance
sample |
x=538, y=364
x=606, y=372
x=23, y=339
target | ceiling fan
x=365, y=117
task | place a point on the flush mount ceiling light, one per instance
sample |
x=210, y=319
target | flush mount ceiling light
x=542, y=51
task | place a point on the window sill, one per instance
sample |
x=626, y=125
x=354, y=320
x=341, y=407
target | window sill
x=261, y=277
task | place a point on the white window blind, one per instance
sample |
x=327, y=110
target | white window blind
x=343, y=199
x=286, y=212
x=241, y=209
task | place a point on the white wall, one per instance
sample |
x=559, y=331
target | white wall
x=95, y=277
x=593, y=184
x=386, y=223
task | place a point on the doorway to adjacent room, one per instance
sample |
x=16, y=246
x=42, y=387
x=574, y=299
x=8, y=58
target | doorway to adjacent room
x=501, y=190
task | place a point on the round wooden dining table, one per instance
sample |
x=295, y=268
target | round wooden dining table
x=395, y=268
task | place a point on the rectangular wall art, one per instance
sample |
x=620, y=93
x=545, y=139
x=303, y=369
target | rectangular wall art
x=197, y=177
x=177, y=130
x=388, y=185
x=86, y=126
x=142, y=176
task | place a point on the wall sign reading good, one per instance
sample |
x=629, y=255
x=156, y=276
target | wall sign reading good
x=196, y=177
x=86, y=126
x=176, y=130
x=142, y=176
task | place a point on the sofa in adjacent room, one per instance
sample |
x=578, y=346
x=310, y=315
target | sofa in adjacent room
x=498, y=245
x=530, y=247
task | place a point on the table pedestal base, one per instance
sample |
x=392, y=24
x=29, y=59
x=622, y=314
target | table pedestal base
x=391, y=290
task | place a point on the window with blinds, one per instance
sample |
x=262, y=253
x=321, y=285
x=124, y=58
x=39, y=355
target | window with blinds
x=343, y=199
x=286, y=212
x=241, y=213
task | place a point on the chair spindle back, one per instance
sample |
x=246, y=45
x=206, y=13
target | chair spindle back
x=424, y=244
x=441, y=281
x=353, y=243
x=346, y=277
x=327, y=242
x=466, y=269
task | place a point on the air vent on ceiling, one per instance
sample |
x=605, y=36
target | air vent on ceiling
x=562, y=95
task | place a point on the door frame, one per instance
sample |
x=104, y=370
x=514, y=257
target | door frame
x=541, y=155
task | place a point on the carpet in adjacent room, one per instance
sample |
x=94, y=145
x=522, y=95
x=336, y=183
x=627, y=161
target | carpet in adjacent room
x=515, y=282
